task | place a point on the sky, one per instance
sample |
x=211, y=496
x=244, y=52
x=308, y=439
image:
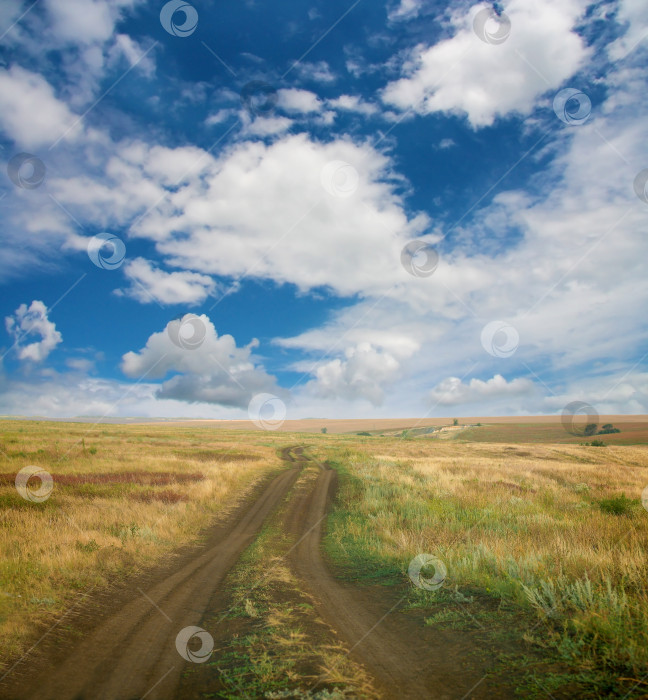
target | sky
x=340, y=209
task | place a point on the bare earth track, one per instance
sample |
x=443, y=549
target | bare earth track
x=130, y=653
x=406, y=659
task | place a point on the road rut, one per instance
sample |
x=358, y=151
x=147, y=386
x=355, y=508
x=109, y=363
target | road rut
x=132, y=654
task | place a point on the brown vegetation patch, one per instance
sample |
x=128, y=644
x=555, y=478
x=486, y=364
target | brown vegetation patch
x=143, y=478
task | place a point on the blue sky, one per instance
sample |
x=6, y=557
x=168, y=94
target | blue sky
x=146, y=196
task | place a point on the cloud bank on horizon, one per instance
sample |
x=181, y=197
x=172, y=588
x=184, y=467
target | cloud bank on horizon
x=376, y=209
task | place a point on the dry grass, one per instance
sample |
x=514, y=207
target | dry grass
x=124, y=496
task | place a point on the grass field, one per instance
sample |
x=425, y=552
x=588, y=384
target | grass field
x=553, y=537
x=544, y=540
x=123, y=498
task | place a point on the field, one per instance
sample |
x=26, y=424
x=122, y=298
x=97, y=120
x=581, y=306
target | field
x=295, y=552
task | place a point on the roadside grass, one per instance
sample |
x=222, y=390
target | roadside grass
x=123, y=498
x=280, y=649
x=551, y=537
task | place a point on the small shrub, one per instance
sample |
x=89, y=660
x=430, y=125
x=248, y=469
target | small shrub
x=597, y=443
x=590, y=429
x=616, y=505
x=324, y=430
x=365, y=433
x=455, y=421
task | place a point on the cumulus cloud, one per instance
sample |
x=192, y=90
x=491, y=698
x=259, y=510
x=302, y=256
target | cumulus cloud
x=463, y=74
x=295, y=100
x=452, y=391
x=33, y=321
x=151, y=284
x=303, y=227
x=363, y=373
x=206, y=367
x=30, y=113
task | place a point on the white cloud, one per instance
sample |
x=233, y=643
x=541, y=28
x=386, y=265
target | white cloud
x=30, y=113
x=405, y=10
x=29, y=322
x=319, y=72
x=80, y=364
x=295, y=230
x=83, y=21
x=453, y=391
x=295, y=100
x=464, y=74
x=134, y=53
x=353, y=103
x=81, y=33
x=208, y=369
x=268, y=126
x=149, y=284
x=219, y=117
x=364, y=373
x=633, y=14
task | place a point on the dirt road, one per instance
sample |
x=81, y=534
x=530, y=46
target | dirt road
x=131, y=652
x=406, y=659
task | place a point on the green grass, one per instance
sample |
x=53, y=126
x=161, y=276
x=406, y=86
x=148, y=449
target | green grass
x=584, y=610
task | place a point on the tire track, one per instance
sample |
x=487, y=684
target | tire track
x=405, y=659
x=132, y=653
